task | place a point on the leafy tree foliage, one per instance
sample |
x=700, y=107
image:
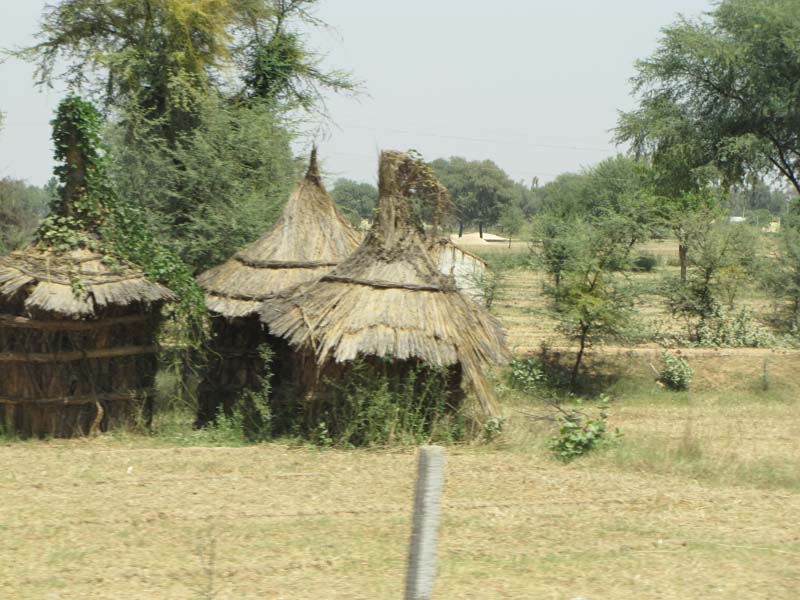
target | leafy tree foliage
x=22, y=207
x=156, y=55
x=723, y=259
x=275, y=64
x=590, y=298
x=585, y=232
x=356, y=199
x=221, y=185
x=782, y=277
x=721, y=92
x=482, y=192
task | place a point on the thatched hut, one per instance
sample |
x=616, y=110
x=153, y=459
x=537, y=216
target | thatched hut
x=309, y=239
x=388, y=301
x=77, y=342
x=77, y=327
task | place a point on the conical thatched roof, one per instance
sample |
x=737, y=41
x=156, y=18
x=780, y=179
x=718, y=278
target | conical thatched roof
x=78, y=283
x=390, y=300
x=307, y=241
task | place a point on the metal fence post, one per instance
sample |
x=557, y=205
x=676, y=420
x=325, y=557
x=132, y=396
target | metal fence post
x=427, y=508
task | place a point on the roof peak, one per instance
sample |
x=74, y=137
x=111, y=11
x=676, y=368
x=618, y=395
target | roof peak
x=313, y=167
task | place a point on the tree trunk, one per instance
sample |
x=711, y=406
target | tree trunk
x=579, y=358
x=480, y=229
x=461, y=229
x=683, y=253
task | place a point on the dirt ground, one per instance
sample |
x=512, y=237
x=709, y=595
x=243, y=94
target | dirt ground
x=699, y=499
x=91, y=520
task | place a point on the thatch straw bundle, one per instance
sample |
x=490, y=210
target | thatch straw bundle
x=389, y=300
x=307, y=241
x=77, y=342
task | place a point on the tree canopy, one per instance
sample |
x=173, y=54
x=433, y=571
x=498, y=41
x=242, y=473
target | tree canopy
x=157, y=55
x=355, y=199
x=482, y=192
x=721, y=92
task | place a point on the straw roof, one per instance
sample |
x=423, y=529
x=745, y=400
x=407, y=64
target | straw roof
x=78, y=283
x=307, y=241
x=389, y=299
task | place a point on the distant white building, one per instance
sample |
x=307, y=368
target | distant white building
x=468, y=270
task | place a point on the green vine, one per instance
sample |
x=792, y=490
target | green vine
x=87, y=214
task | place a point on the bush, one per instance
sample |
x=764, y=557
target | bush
x=676, y=374
x=253, y=409
x=739, y=330
x=369, y=407
x=579, y=433
x=527, y=374
x=493, y=427
x=644, y=263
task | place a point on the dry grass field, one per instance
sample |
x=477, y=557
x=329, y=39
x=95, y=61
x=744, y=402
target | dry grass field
x=699, y=499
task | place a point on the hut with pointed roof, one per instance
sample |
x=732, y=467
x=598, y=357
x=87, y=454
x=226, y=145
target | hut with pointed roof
x=309, y=239
x=388, y=303
x=78, y=326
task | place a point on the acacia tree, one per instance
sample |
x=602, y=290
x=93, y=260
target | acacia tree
x=591, y=299
x=159, y=56
x=481, y=190
x=356, y=199
x=197, y=94
x=585, y=234
x=722, y=91
x=274, y=62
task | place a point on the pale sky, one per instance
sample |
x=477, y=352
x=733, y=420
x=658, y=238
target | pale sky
x=533, y=85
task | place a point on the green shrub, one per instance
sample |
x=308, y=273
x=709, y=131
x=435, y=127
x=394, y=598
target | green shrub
x=371, y=406
x=527, y=374
x=676, y=374
x=733, y=330
x=253, y=408
x=492, y=428
x=580, y=433
x=644, y=263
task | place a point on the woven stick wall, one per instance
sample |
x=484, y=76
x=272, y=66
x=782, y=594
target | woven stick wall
x=77, y=342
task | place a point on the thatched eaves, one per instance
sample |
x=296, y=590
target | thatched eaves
x=308, y=240
x=78, y=283
x=389, y=299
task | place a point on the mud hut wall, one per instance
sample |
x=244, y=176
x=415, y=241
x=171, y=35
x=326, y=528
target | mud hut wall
x=63, y=377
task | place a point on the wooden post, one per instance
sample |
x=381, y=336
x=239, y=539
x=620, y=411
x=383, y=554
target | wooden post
x=427, y=508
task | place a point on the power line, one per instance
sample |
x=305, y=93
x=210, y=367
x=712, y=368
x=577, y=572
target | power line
x=482, y=139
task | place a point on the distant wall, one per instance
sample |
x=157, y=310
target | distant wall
x=469, y=271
